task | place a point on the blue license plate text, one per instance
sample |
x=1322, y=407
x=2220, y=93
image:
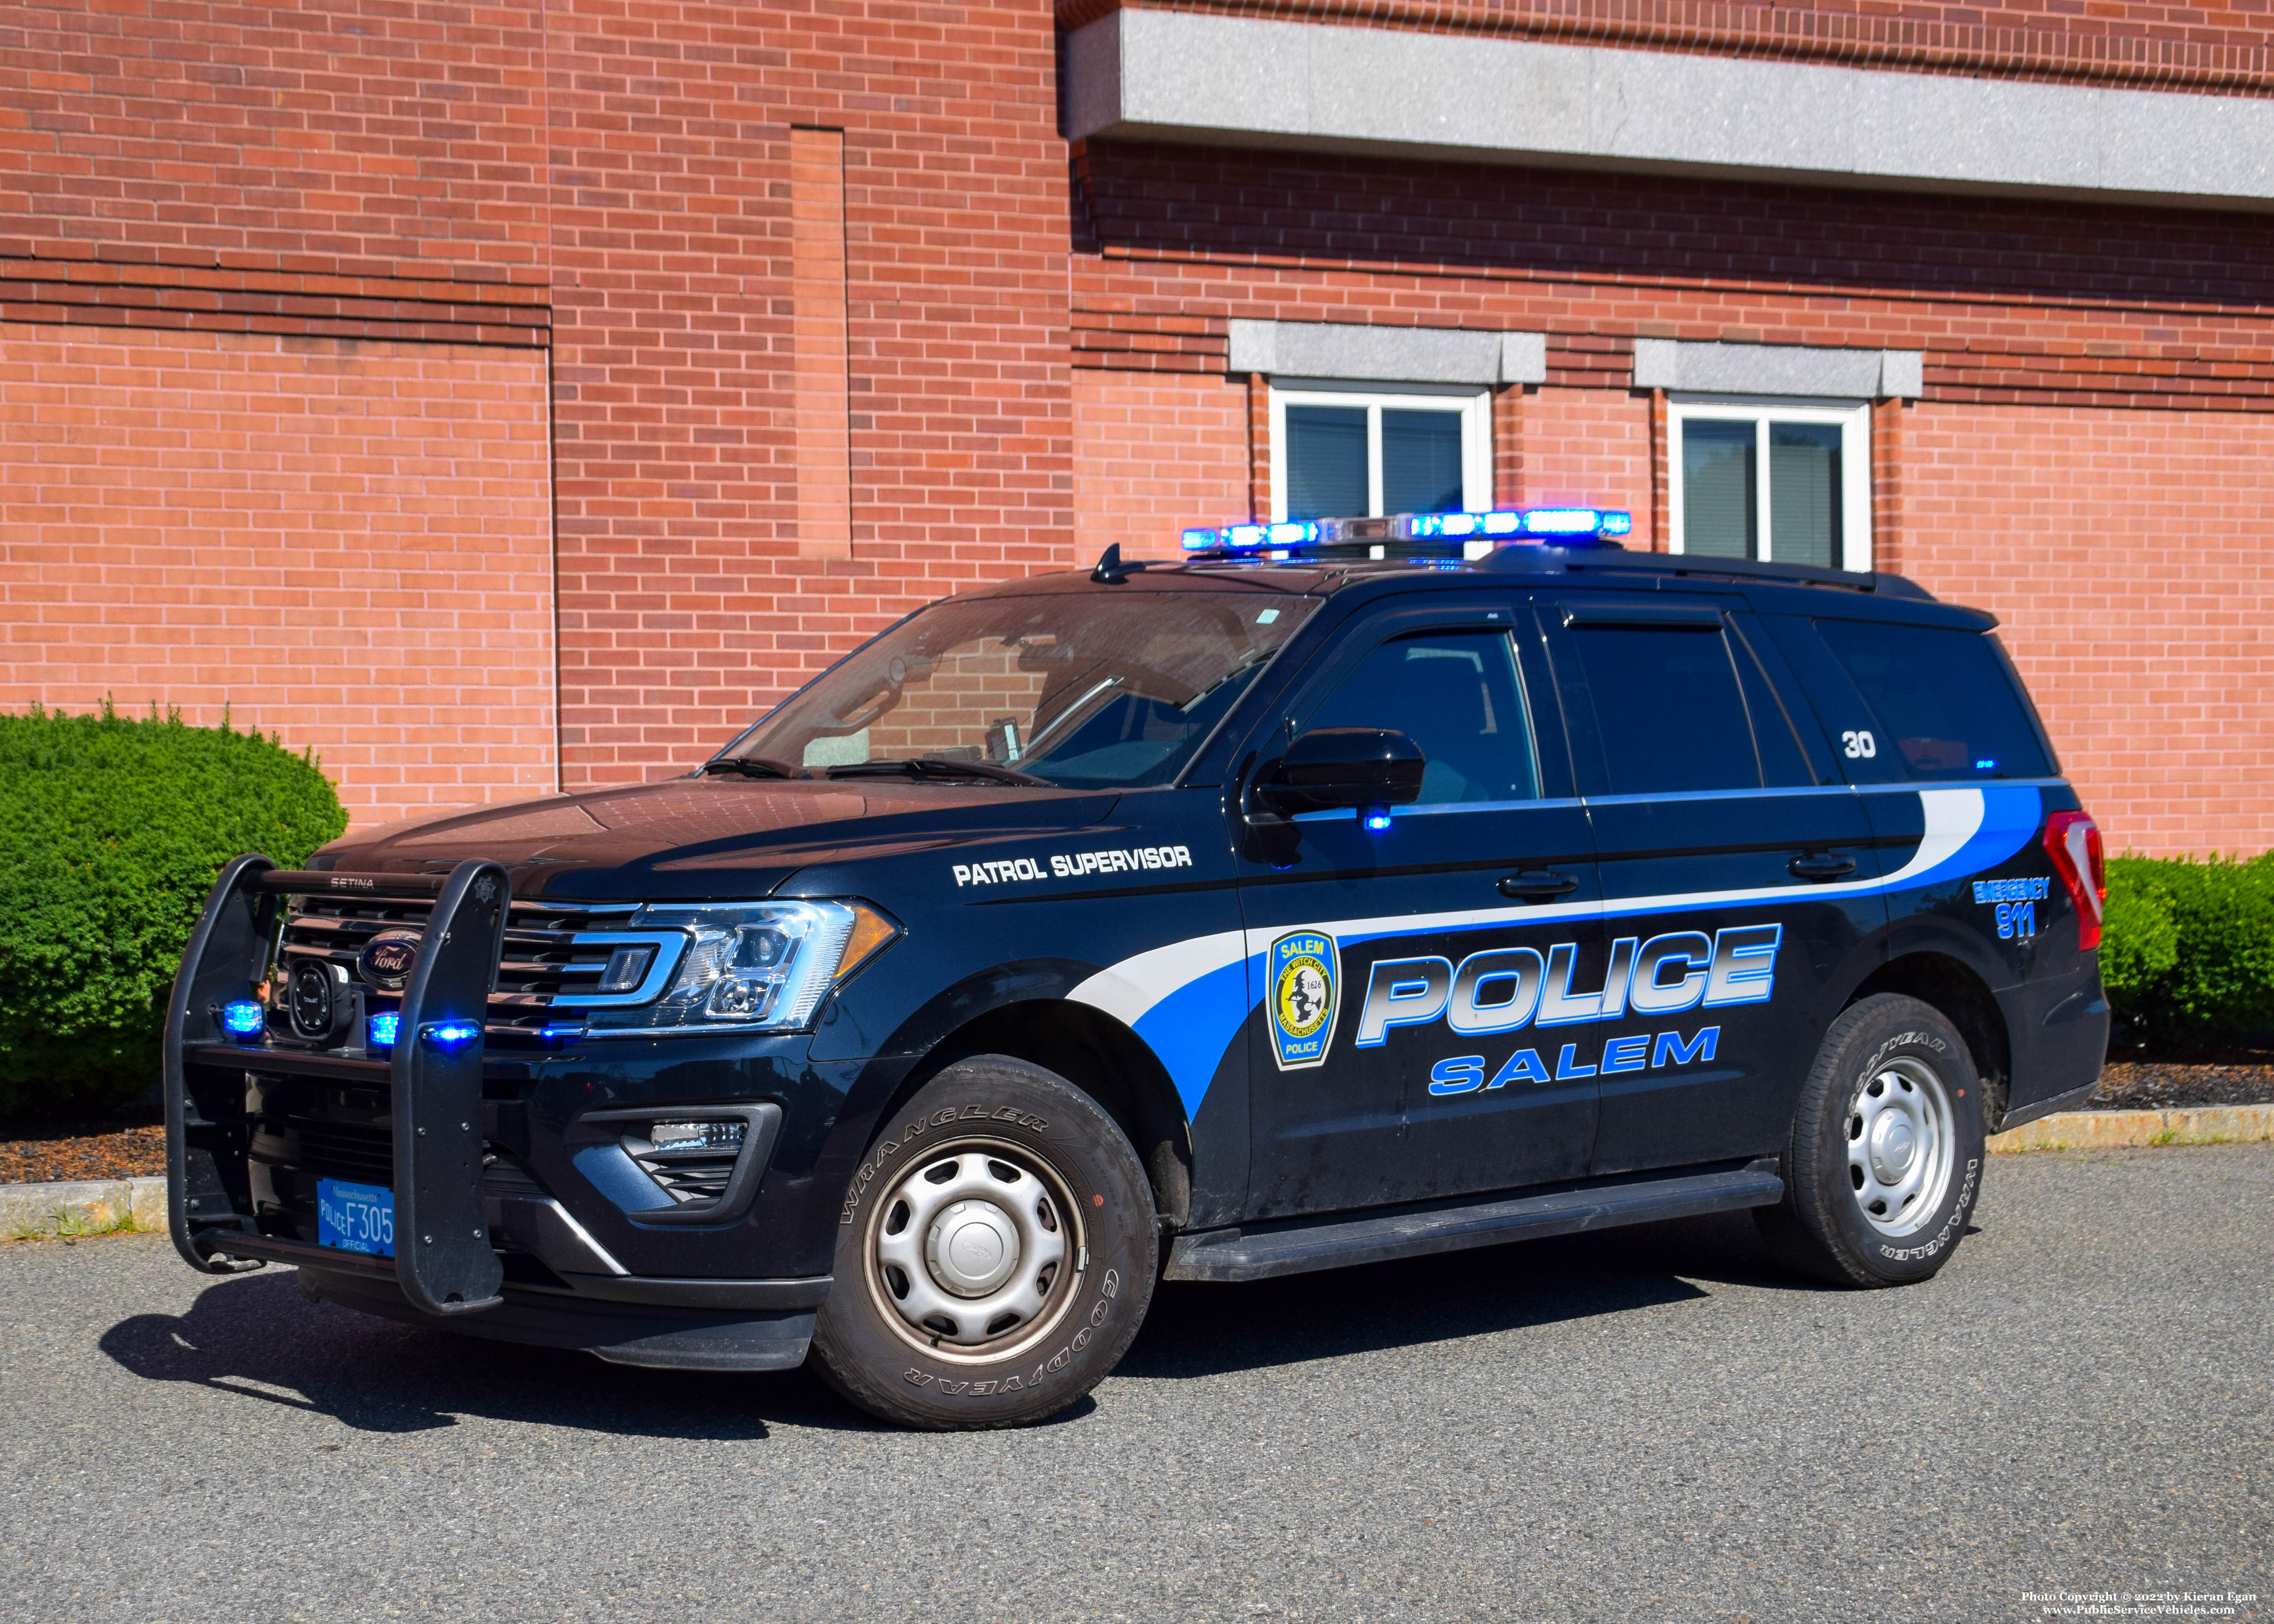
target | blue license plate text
x=355, y=1217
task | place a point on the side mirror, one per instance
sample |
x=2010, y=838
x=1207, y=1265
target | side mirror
x=1333, y=768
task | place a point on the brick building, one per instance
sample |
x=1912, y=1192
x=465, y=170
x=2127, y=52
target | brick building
x=495, y=396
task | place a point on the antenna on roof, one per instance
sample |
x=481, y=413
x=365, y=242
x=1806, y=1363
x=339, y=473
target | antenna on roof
x=1110, y=570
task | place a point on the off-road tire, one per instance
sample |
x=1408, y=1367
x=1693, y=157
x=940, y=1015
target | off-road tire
x=1823, y=1227
x=988, y=1112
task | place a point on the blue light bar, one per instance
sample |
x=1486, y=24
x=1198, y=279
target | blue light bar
x=450, y=1033
x=243, y=1017
x=1516, y=524
x=381, y=1031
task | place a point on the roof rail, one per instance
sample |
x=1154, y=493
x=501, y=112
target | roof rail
x=1741, y=569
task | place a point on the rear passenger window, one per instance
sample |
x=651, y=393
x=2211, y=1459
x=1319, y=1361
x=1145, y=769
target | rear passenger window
x=1945, y=703
x=1668, y=709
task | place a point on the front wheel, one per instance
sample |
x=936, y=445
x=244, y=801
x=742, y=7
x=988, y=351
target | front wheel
x=995, y=1255
x=1884, y=1160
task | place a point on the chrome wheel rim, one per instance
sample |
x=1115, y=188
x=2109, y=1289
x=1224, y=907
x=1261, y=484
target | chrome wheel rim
x=973, y=1252
x=1901, y=1133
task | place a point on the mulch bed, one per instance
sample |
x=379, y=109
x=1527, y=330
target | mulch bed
x=2239, y=1079
x=122, y=1147
x=136, y=1148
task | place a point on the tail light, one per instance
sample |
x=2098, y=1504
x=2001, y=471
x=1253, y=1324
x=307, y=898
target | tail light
x=2072, y=841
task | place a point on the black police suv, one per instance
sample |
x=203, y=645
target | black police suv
x=1338, y=892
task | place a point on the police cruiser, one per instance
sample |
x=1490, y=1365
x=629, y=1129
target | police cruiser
x=1339, y=892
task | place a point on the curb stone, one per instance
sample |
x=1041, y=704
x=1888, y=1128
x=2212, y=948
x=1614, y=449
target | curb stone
x=103, y=1206
x=88, y=1207
x=2210, y=1124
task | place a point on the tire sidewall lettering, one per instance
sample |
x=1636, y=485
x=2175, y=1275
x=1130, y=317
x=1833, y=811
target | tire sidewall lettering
x=947, y=1115
x=1109, y=1287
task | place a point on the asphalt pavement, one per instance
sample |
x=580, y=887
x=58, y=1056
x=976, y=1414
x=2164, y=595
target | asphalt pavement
x=1651, y=1424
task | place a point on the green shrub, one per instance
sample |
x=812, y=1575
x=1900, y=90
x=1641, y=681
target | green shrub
x=111, y=831
x=2188, y=953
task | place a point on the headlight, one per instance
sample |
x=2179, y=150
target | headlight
x=752, y=966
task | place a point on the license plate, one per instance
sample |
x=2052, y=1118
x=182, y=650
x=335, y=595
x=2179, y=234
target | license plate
x=355, y=1217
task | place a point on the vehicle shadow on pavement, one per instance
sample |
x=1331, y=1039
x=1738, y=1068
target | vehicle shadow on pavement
x=1208, y=1330
x=255, y=1337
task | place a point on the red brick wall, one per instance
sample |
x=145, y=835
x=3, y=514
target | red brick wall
x=347, y=545
x=1586, y=449
x=686, y=605
x=357, y=166
x=2130, y=556
x=1154, y=452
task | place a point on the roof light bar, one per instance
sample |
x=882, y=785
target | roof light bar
x=1565, y=526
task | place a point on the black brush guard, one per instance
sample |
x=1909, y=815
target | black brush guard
x=443, y=1258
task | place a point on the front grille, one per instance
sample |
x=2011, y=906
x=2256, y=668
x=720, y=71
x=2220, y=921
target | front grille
x=356, y=1151
x=540, y=962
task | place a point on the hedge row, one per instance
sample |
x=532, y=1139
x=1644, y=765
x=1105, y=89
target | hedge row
x=2188, y=951
x=111, y=831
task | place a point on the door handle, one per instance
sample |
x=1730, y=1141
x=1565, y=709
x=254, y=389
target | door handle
x=1537, y=885
x=1820, y=866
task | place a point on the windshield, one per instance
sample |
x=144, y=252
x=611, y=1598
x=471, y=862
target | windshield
x=1086, y=690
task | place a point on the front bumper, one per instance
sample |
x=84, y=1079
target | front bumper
x=516, y=1213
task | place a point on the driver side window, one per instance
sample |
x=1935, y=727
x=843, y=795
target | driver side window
x=1457, y=696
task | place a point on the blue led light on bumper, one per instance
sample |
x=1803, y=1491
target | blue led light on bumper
x=448, y=1035
x=243, y=1017
x=381, y=1031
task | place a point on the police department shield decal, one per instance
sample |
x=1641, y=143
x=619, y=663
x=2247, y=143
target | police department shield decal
x=1305, y=987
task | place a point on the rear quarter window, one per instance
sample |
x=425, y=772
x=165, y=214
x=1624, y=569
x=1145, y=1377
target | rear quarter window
x=1945, y=701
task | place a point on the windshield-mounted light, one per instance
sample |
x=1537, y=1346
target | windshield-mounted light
x=748, y=966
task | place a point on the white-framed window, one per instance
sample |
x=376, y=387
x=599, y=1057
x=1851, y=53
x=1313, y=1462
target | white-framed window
x=1347, y=451
x=1779, y=479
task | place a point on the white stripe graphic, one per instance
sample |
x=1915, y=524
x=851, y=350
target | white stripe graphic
x=1129, y=990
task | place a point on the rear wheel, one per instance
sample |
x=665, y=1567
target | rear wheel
x=995, y=1257
x=1886, y=1157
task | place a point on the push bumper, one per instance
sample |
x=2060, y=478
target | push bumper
x=455, y=1228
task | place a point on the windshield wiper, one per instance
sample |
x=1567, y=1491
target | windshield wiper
x=934, y=767
x=755, y=767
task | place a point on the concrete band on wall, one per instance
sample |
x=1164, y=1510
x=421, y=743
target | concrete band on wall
x=1191, y=77
x=1386, y=354
x=1779, y=369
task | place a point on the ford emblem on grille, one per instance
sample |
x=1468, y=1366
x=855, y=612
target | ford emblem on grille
x=386, y=959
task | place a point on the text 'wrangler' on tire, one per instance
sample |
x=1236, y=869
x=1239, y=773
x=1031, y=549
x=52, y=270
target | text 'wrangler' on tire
x=1339, y=892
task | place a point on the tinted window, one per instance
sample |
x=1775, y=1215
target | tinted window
x=1669, y=708
x=1944, y=700
x=1457, y=696
x=1326, y=462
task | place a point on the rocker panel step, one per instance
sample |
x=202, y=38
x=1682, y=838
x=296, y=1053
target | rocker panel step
x=1260, y=1253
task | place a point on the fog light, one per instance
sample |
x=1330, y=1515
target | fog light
x=677, y=1136
x=450, y=1033
x=243, y=1017
x=379, y=1031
